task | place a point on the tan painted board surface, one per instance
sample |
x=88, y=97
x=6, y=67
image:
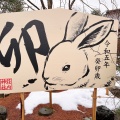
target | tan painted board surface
x=55, y=50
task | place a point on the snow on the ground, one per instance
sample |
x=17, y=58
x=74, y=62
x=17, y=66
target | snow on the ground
x=70, y=99
x=118, y=73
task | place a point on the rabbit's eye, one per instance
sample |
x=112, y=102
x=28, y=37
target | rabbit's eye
x=66, y=68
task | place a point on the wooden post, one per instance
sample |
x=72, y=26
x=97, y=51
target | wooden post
x=50, y=99
x=22, y=106
x=107, y=91
x=94, y=104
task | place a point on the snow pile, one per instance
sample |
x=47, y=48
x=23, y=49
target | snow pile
x=68, y=100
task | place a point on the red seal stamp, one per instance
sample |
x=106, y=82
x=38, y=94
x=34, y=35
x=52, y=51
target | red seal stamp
x=6, y=84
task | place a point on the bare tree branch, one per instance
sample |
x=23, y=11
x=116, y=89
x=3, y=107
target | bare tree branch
x=103, y=4
x=70, y=4
x=28, y=6
x=64, y=3
x=43, y=5
x=50, y=3
x=33, y=4
x=84, y=8
x=87, y=5
x=114, y=4
x=60, y=3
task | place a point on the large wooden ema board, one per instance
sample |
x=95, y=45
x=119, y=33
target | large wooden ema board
x=56, y=50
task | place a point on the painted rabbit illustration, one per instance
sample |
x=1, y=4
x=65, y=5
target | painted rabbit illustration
x=64, y=67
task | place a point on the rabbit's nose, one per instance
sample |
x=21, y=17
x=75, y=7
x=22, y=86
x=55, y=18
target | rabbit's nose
x=46, y=78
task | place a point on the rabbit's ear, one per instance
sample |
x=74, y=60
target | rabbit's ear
x=96, y=34
x=75, y=26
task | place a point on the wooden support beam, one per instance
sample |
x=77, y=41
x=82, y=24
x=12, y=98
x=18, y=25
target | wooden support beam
x=94, y=104
x=22, y=106
x=107, y=91
x=50, y=99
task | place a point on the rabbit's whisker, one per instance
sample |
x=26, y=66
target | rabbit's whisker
x=57, y=79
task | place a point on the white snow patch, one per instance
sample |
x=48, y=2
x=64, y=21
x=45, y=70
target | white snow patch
x=69, y=100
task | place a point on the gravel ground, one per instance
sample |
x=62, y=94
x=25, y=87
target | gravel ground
x=11, y=101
